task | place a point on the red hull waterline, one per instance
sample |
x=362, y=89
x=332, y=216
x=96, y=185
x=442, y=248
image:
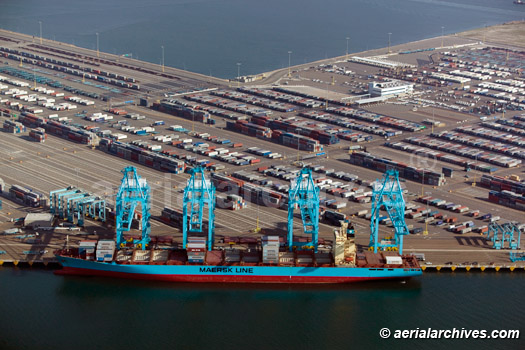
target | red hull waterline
x=72, y=271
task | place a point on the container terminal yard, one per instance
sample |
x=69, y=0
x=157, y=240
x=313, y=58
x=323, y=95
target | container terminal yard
x=446, y=113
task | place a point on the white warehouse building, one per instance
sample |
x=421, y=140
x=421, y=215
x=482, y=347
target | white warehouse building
x=389, y=88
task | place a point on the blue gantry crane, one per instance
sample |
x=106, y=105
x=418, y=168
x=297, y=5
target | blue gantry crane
x=198, y=192
x=390, y=196
x=517, y=256
x=90, y=206
x=305, y=195
x=499, y=234
x=56, y=200
x=133, y=191
x=68, y=203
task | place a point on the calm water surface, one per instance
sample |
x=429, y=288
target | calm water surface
x=39, y=310
x=211, y=36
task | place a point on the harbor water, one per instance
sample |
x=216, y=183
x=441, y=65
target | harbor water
x=211, y=37
x=40, y=310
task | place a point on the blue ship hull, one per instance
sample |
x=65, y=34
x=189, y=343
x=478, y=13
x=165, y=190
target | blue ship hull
x=233, y=274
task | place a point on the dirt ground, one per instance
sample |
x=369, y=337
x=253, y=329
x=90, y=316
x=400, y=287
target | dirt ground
x=512, y=33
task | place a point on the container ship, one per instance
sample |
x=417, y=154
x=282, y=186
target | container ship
x=267, y=263
x=264, y=259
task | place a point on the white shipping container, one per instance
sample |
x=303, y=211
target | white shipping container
x=394, y=260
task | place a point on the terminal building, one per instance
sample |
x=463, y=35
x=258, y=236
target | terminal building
x=389, y=88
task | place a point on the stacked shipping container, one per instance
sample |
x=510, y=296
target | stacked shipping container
x=149, y=158
x=368, y=160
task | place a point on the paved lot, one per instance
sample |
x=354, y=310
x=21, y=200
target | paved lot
x=58, y=163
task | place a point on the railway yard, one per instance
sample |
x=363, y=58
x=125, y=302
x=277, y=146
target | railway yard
x=455, y=133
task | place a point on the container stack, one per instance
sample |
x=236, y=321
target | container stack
x=515, y=151
x=141, y=257
x=124, y=256
x=214, y=257
x=286, y=259
x=13, y=127
x=238, y=107
x=339, y=247
x=105, y=250
x=508, y=199
x=252, y=100
x=177, y=257
x=232, y=256
x=180, y=109
x=38, y=134
x=251, y=258
x=323, y=259
x=323, y=133
x=159, y=257
x=498, y=183
x=460, y=150
x=27, y=196
x=348, y=123
x=370, y=161
x=304, y=258
x=301, y=142
x=171, y=217
x=87, y=248
x=250, y=129
x=270, y=247
x=196, y=249
x=396, y=123
x=146, y=157
x=392, y=259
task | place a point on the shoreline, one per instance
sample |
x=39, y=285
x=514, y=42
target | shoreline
x=473, y=36
x=383, y=51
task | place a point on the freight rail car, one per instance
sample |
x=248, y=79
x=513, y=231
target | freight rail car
x=297, y=126
x=179, y=109
x=508, y=199
x=27, y=196
x=172, y=217
x=250, y=192
x=370, y=161
x=289, y=139
x=142, y=156
x=60, y=129
x=499, y=183
x=71, y=68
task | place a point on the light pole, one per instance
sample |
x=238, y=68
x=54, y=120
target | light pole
x=289, y=63
x=40, y=22
x=422, y=182
x=257, y=228
x=389, y=34
x=475, y=164
x=442, y=35
x=162, y=47
x=238, y=74
x=433, y=120
x=98, y=52
x=426, y=220
x=192, y=120
x=347, y=38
